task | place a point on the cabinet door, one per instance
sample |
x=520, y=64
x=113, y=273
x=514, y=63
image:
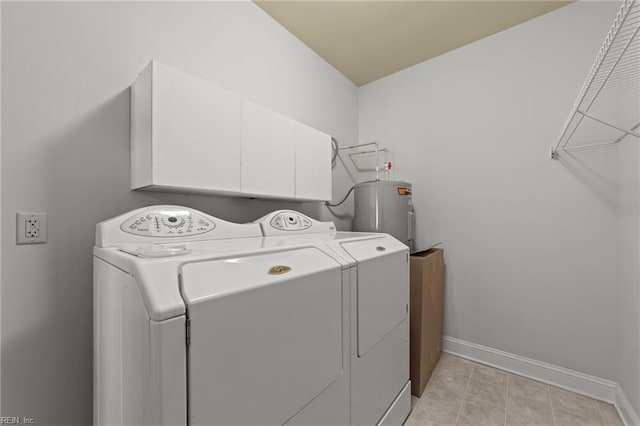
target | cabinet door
x=268, y=152
x=313, y=163
x=196, y=133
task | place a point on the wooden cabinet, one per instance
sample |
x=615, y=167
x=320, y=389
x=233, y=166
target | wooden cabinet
x=188, y=135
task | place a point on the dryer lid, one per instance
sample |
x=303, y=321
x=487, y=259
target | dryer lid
x=382, y=297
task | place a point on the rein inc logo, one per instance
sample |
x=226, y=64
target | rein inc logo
x=15, y=420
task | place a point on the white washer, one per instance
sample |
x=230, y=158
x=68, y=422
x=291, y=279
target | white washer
x=197, y=321
x=377, y=267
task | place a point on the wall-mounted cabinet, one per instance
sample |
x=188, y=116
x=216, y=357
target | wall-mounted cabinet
x=188, y=135
x=312, y=157
x=268, y=152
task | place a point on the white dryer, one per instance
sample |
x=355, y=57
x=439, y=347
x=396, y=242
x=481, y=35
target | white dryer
x=198, y=322
x=377, y=267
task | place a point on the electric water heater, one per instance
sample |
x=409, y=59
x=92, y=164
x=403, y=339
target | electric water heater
x=385, y=206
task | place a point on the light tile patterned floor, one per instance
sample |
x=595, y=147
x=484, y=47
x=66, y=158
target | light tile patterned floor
x=462, y=392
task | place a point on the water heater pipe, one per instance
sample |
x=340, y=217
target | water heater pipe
x=377, y=150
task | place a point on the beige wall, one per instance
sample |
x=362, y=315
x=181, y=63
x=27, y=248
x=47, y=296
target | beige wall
x=65, y=151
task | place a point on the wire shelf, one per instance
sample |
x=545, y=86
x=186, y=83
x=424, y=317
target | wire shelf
x=608, y=106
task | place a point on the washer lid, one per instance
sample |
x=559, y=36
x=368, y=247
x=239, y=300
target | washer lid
x=266, y=335
x=157, y=269
x=211, y=279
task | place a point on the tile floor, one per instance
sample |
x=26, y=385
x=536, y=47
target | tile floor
x=462, y=392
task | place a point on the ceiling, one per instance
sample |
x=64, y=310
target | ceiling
x=367, y=40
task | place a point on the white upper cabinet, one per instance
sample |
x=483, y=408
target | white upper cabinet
x=188, y=135
x=313, y=163
x=268, y=152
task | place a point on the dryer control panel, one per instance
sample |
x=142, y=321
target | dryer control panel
x=290, y=221
x=284, y=222
x=167, y=223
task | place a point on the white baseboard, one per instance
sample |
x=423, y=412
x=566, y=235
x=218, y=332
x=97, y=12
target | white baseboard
x=594, y=387
x=574, y=381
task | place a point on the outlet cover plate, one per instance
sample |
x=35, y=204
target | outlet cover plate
x=31, y=228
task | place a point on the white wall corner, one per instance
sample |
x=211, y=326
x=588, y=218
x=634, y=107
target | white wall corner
x=625, y=409
x=594, y=387
x=0, y=207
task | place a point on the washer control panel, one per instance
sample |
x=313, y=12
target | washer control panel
x=167, y=222
x=290, y=221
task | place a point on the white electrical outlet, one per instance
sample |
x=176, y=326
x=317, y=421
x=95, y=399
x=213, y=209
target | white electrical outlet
x=31, y=228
